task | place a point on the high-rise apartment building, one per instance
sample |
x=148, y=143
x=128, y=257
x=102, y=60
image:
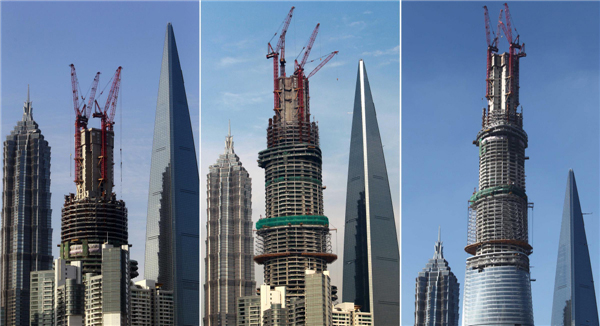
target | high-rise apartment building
x=318, y=304
x=69, y=293
x=26, y=234
x=172, y=227
x=574, y=297
x=151, y=305
x=229, y=242
x=347, y=314
x=371, y=254
x=41, y=304
x=497, y=279
x=436, y=292
x=251, y=309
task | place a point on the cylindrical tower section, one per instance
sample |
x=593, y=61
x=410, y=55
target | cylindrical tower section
x=294, y=235
x=89, y=223
x=497, y=281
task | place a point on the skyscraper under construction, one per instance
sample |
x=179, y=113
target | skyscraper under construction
x=294, y=234
x=497, y=279
x=93, y=216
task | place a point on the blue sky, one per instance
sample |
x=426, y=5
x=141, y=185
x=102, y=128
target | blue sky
x=443, y=84
x=41, y=39
x=237, y=84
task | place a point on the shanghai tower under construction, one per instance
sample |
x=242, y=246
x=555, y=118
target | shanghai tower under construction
x=294, y=234
x=497, y=278
x=93, y=216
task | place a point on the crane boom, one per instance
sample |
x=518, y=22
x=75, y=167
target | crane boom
x=111, y=102
x=331, y=55
x=75, y=87
x=487, y=26
x=274, y=53
x=90, y=104
x=311, y=41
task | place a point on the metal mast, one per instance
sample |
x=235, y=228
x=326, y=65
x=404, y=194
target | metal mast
x=498, y=273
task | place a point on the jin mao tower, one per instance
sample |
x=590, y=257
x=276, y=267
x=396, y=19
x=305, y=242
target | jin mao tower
x=26, y=216
x=497, y=278
x=436, y=292
x=229, y=242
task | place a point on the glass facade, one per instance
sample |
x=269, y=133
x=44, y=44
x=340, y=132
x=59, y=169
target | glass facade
x=436, y=292
x=229, y=242
x=172, y=229
x=371, y=255
x=497, y=296
x=26, y=233
x=574, y=297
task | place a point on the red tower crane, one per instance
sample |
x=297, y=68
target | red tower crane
x=308, y=47
x=274, y=53
x=299, y=71
x=492, y=48
x=81, y=117
x=514, y=45
x=107, y=117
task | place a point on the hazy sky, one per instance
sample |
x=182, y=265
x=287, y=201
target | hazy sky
x=41, y=39
x=443, y=85
x=237, y=84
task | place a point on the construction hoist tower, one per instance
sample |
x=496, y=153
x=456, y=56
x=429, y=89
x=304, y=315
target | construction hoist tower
x=497, y=279
x=92, y=216
x=294, y=234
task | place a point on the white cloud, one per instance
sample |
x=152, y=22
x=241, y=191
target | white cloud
x=230, y=61
x=393, y=51
x=235, y=101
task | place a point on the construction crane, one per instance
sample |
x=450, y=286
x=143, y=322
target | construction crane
x=329, y=57
x=308, y=47
x=299, y=71
x=107, y=117
x=512, y=52
x=492, y=48
x=82, y=116
x=274, y=53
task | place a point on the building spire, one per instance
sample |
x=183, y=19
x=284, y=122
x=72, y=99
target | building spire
x=229, y=141
x=27, y=108
x=439, y=251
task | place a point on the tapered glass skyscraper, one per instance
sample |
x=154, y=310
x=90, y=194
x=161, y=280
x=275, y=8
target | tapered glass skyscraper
x=574, y=297
x=26, y=216
x=229, y=243
x=371, y=255
x=172, y=229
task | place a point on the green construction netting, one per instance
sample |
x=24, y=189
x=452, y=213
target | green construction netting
x=295, y=220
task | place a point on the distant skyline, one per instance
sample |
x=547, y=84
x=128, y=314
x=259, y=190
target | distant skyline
x=96, y=36
x=443, y=89
x=238, y=85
